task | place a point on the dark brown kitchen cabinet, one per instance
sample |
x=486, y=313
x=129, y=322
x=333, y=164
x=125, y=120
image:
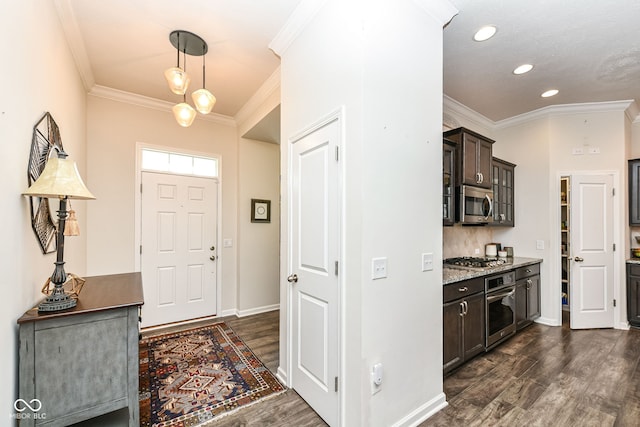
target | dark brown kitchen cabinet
x=475, y=157
x=502, y=180
x=448, y=181
x=634, y=192
x=463, y=322
x=527, y=295
x=633, y=294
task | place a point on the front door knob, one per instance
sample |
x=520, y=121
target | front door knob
x=578, y=259
x=212, y=248
x=293, y=278
x=212, y=257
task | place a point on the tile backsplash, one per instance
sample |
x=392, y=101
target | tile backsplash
x=461, y=240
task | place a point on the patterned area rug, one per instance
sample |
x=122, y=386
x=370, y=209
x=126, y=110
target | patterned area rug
x=190, y=377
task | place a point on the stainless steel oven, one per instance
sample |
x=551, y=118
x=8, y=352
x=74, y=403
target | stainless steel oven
x=475, y=205
x=500, y=307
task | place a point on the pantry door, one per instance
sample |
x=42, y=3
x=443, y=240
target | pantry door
x=178, y=253
x=591, y=222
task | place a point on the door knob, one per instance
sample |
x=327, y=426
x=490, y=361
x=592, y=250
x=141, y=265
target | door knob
x=578, y=259
x=212, y=248
x=212, y=257
x=293, y=278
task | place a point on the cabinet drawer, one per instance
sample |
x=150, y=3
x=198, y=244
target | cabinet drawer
x=530, y=270
x=453, y=291
x=634, y=269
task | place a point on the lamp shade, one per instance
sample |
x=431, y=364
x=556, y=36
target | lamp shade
x=184, y=114
x=177, y=79
x=203, y=100
x=60, y=178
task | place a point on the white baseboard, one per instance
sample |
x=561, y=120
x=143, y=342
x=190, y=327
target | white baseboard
x=423, y=412
x=257, y=310
x=282, y=376
x=230, y=312
x=548, y=321
x=624, y=326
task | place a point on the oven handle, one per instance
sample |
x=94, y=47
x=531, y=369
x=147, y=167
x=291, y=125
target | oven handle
x=500, y=296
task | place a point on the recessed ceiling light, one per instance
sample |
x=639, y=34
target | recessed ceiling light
x=485, y=33
x=549, y=93
x=524, y=68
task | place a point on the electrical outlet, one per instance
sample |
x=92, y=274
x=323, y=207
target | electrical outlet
x=378, y=268
x=594, y=150
x=376, y=378
x=476, y=251
x=577, y=151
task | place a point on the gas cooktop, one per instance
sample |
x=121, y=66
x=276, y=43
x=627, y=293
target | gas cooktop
x=474, y=262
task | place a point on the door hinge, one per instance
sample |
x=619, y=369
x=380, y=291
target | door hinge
x=614, y=247
x=614, y=303
x=337, y=154
x=336, y=268
x=140, y=249
x=140, y=187
x=336, y=384
x=613, y=191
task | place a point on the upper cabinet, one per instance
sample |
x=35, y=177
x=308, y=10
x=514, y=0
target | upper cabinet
x=475, y=157
x=634, y=192
x=502, y=179
x=448, y=181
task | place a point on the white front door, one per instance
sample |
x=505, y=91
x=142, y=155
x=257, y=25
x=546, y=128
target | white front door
x=314, y=245
x=178, y=247
x=591, y=293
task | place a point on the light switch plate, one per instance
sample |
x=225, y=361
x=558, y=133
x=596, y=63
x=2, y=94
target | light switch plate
x=227, y=243
x=540, y=244
x=378, y=268
x=427, y=262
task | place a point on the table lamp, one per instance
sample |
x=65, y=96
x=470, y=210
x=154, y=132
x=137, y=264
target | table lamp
x=59, y=179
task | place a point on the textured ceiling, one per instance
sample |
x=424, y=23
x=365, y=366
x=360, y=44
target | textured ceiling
x=588, y=49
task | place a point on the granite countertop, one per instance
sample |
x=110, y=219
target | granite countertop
x=453, y=275
x=633, y=261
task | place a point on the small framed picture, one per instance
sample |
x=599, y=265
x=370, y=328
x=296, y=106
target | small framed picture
x=260, y=210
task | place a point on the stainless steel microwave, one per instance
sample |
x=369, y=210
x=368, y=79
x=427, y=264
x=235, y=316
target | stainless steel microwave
x=475, y=205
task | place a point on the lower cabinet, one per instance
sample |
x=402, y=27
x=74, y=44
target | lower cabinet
x=633, y=294
x=527, y=295
x=463, y=323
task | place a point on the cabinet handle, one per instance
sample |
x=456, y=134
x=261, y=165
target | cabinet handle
x=462, y=309
x=528, y=270
x=463, y=289
x=481, y=177
x=529, y=283
x=466, y=307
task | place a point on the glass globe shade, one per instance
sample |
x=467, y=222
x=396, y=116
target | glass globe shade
x=184, y=114
x=177, y=79
x=203, y=100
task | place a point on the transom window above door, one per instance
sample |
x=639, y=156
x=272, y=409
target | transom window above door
x=181, y=164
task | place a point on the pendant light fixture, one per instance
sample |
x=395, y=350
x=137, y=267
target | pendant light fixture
x=178, y=80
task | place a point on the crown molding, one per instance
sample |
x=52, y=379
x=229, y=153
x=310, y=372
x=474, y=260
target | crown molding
x=153, y=103
x=271, y=85
x=563, y=109
x=633, y=112
x=443, y=11
x=297, y=22
x=75, y=42
x=450, y=105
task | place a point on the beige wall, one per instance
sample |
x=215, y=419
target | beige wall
x=113, y=130
x=42, y=78
x=258, y=252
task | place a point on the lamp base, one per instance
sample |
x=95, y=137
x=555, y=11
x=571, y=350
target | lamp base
x=56, y=302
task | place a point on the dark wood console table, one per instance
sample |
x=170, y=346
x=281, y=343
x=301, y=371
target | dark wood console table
x=83, y=362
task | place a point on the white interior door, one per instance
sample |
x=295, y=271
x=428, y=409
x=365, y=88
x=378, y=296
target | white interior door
x=178, y=247
x=314, y=243
x=591, y=293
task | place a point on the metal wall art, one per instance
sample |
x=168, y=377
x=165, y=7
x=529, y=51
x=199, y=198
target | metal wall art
x=45, y=138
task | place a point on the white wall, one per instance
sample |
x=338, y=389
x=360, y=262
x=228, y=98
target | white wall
x=542, y=149
x=382, y=62
x=259, y=243
x=42, y=78
x=113, y=130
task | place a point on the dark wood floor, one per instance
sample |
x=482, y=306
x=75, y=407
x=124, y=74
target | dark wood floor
x=544, y=376
x=549, y=376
